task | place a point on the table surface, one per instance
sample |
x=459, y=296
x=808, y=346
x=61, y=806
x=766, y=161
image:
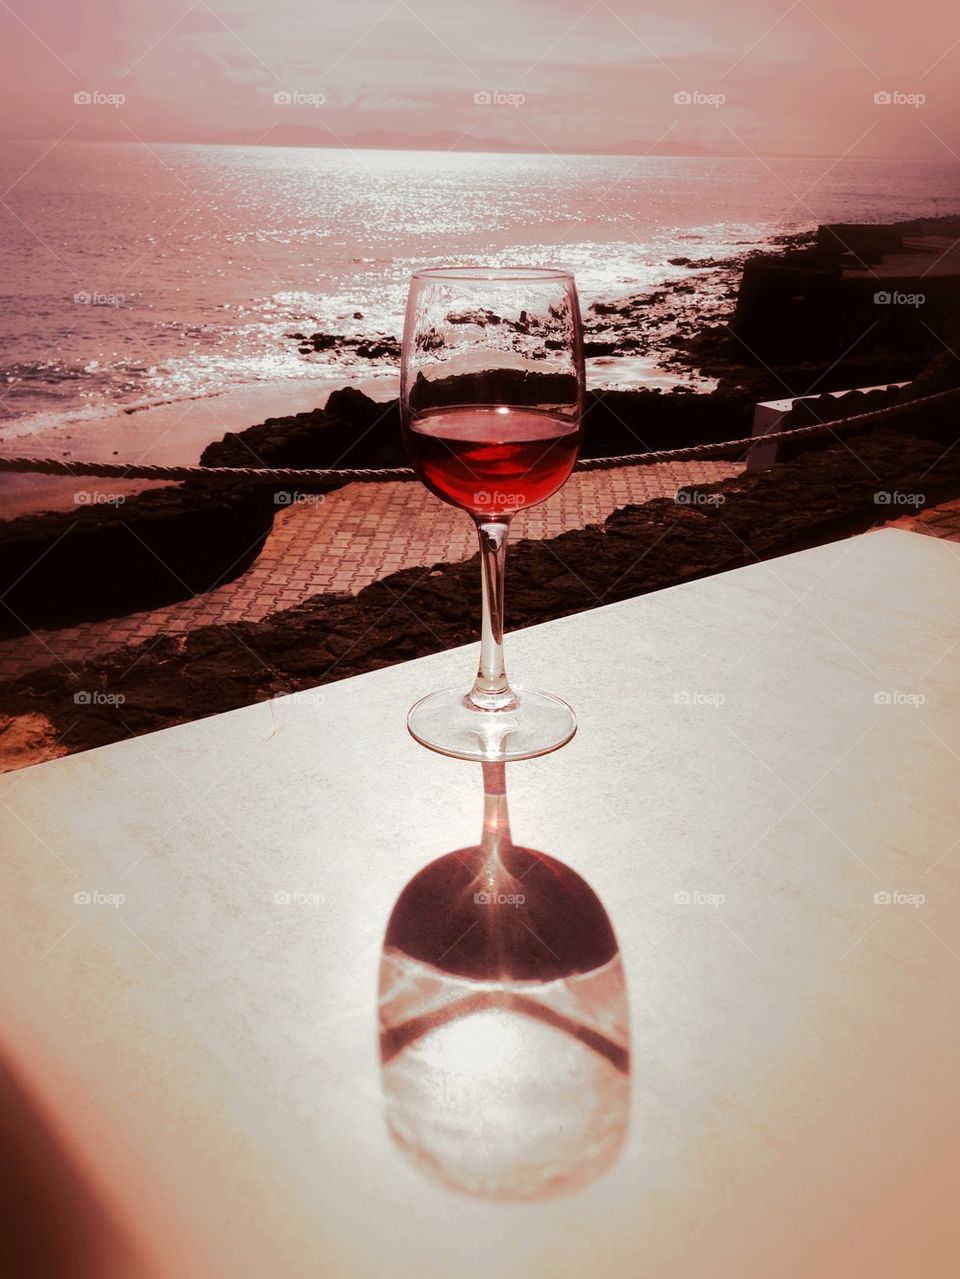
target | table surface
x=763, y=795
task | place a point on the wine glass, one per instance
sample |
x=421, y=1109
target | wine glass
x=491, y=396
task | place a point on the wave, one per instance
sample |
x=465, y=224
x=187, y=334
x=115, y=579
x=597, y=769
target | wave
x=52, y=395
x=42, y=421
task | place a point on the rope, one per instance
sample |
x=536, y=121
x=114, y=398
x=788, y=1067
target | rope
x=366, y=475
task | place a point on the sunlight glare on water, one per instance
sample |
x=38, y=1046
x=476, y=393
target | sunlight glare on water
x=180, y=270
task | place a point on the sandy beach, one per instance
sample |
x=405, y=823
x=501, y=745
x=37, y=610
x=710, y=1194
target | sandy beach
x=178, y=432
x=163, y=434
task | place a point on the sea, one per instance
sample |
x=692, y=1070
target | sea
x=135, y=274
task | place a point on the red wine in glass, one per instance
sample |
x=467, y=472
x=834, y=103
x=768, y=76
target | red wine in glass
x=491, y=399
x=493, y=461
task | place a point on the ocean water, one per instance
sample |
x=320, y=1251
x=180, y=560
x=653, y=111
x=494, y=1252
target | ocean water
x=134, y=274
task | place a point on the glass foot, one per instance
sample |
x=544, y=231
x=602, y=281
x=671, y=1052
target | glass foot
x=442, y=721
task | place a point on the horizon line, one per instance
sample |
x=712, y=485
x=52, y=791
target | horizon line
x=492, y=150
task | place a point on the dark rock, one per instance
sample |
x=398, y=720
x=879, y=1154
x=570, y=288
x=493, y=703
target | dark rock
x=352, y=430
x=481, y=316
x=379, y=348
x=103, y=560
x=595, y=347
x=803, y=306
x=941, y=374
x=859, y=241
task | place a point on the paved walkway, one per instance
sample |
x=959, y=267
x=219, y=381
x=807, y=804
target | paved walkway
x=937, y=521
x=347, y=540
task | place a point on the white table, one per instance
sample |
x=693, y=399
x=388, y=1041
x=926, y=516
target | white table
x=209, y=1054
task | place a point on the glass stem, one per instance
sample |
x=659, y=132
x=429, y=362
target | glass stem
x=496, y=819
x=491, y=689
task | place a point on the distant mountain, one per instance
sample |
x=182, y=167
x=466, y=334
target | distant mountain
x=305, y=135
x=635, y=147
x=308, y=135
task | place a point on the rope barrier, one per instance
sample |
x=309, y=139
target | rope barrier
x=366, y=475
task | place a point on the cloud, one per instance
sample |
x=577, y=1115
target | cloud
x=794, y=78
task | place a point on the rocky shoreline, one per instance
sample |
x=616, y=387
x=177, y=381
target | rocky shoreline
x=785, y=331
x=647, y=323
x=761, y=323
x=870, y=304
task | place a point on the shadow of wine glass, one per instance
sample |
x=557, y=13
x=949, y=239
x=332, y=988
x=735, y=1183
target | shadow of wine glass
x=504, y=1033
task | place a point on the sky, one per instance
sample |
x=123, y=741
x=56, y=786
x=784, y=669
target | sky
x=772, y=77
